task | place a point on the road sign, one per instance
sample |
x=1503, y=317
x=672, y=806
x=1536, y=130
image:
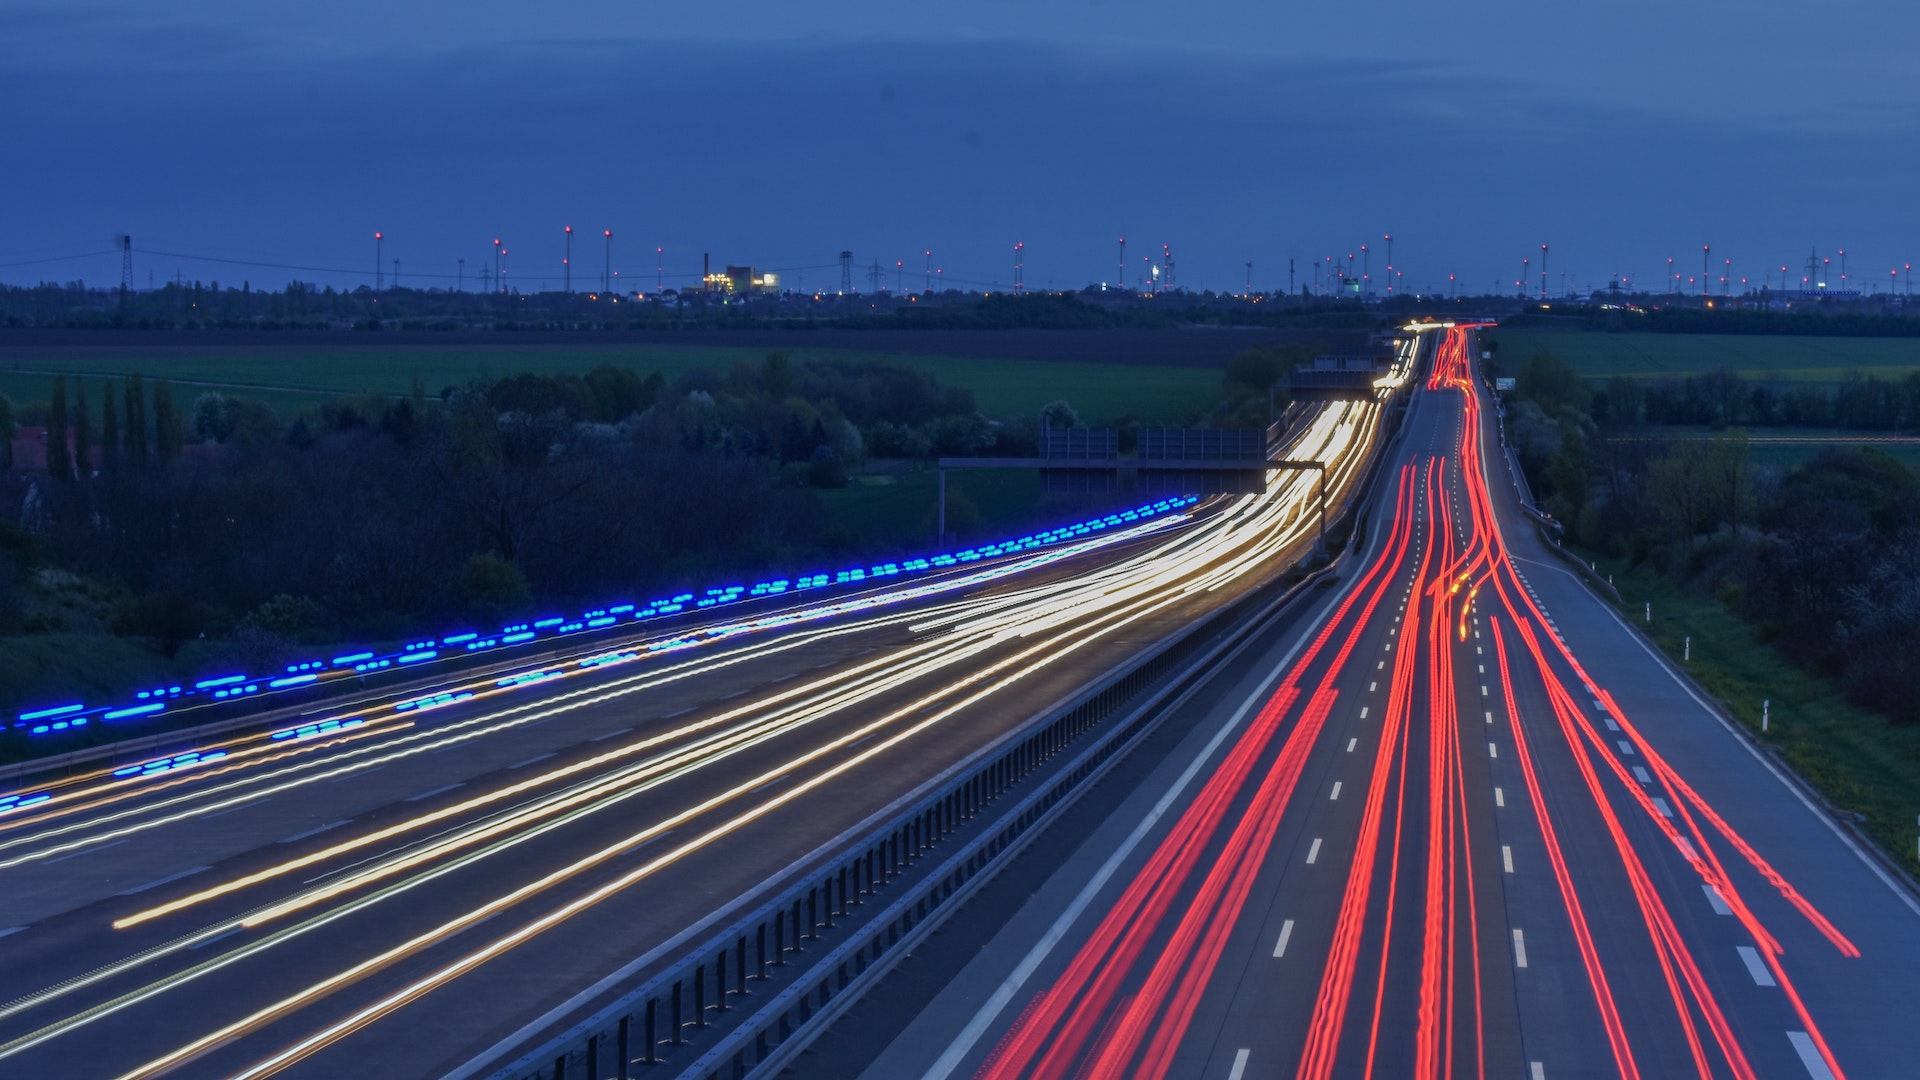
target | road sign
x=1503, y=384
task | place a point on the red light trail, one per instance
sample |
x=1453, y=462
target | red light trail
x=1127, y=999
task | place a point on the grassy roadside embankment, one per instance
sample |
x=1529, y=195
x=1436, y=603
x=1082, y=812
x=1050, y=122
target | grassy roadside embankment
x=1862, y=764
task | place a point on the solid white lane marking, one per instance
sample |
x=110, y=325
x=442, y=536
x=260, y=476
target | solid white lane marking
x=168, y=880
x=1336, y=792
x=442, y=790
x=531, y=760
x=1498, y=798
x=1871, y=863
x=1506, y=857
x=1493, y=750
x=1718, y=902
x=1314, y=851
x=1640, y=774
x=1519, y=949
x=1816, y=1065
x=1625, y=747
x=315, y=831
x=1756, y=967
x=1280, y=947
x=1661, y=805
x=1351, y=743
x=1239, y=1064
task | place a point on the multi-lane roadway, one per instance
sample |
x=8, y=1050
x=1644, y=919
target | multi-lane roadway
x=1466, y=823
x=412, y=891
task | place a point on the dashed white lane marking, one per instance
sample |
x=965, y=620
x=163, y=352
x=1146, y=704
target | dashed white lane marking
x=1372, y=686
x=1809, y=1055
x=230, y=810
x=1280, y=947
x=168, y=880
x=1640, y=774
x=1489, y=716
x=1493, y=750
x=1756, y=967
x=1499, y=799
x=1483, y=691
x=1363, y=712
x=1483, y=669
x=1661, y=805
x=11, y=930
x=1351, y=743
x=1313, y=853
x=1611, y=726
x=1714, y=899
x=1336, y=792
x=442, y=790
x=1239, y=1064
x=1625, y=747
x=1600, y=705
x=1478, y=651
x=1539, y=1071
x=1519, y=949
x=1389, y=647
x=1686, y=848
x=611, y=734
x=688, y=709
x=1379, y=665
x=1506, y=858
x=531, y=760
x=315, y=831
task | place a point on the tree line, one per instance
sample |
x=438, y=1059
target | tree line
x=1823, y=557
x=370, y=517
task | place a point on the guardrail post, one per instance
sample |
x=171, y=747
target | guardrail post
x=623, y=1043
x=560, y=1068
x=593, y=1056
x=679, y=1037
x=813, y=915
x=720, y=981
x=740, y=965
x=653, y=1036
x=699, y=995
x=760, y=944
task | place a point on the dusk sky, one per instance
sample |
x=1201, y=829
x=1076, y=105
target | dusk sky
x=778, y=134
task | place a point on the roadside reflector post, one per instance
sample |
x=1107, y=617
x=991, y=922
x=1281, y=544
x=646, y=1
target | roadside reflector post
x=1649, y=611
x=1687, y=654
x=1766, y=707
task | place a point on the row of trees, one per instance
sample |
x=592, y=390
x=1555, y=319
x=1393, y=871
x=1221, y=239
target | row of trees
x=368, y=516
x=1724, y=399
x=1824, y=557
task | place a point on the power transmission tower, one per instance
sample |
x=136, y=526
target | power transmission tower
x=873, y=277
x=846, y=272
x=126, y=267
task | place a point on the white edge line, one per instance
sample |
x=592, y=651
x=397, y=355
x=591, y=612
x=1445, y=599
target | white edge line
x=1785, y=781
x=1003, y=995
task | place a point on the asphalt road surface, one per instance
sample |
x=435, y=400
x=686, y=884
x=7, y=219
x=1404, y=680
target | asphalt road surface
x=1463, y=822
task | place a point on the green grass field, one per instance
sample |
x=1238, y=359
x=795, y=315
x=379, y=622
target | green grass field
x=294, y=377
x=1783, y=358
x=1859, y=761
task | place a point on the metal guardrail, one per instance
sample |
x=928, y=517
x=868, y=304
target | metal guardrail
x=703, y=994
x=651, y=1024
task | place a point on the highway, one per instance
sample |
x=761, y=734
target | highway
x=1459, y=822
x=399, y=890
